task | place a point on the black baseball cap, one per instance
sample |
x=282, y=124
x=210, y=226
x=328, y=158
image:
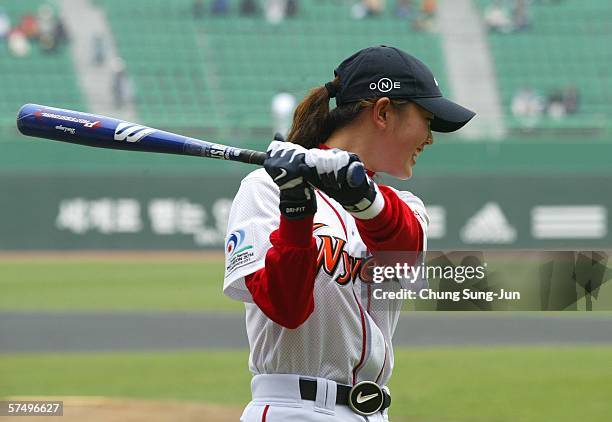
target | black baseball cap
x=383, y=71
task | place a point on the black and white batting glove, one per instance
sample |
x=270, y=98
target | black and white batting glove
x=342, y=176
x=285, y=164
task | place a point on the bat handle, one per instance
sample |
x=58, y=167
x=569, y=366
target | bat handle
x=355, y=174
x=251, y=157
x=257, y=157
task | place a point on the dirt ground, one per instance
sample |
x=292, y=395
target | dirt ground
x=100, y=409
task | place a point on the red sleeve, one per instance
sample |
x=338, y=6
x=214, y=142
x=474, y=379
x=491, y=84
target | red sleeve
x=283, y=289
x=395, y=229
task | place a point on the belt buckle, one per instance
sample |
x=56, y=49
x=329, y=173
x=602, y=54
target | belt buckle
x=366, y=398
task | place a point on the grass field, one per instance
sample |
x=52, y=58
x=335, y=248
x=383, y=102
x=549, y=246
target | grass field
x=107, y=284
x=171, y=284
x=483, y=384
x=429, y=385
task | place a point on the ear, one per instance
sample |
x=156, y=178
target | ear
x=380, y=112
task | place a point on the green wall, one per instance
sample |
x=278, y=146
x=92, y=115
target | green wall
x=151, y=210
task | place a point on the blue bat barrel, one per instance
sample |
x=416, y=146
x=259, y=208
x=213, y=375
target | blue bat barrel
x=97, y=131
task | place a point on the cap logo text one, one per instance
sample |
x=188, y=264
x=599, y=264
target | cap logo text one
x=384, y=85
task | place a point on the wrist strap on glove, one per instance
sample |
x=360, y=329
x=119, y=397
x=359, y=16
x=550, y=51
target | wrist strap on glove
x=298, y=202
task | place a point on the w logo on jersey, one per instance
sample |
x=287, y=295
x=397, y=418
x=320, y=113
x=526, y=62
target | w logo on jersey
x=131, y=132
x=332, y=255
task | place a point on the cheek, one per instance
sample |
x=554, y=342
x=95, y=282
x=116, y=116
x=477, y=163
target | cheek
x=413, y=141
x=403, y=150
x=402, y=160
x=404, y=138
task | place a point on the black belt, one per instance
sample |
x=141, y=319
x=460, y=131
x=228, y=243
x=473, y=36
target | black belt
x=365, y=398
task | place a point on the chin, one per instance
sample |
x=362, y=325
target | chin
x=403, y=174
x=406, y=176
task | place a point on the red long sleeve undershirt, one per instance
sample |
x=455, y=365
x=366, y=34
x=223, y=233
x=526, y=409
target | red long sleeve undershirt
x=395, y=228
x=283, y=289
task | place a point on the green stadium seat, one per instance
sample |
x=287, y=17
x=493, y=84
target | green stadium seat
x=567, y=44
x=221, y=72
x=38, y=78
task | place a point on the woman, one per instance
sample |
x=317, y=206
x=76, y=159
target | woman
x=301, y=231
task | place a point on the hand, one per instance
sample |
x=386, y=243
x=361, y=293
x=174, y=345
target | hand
x=285, y=164
x=342, y=176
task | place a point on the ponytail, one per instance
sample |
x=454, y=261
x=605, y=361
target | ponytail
x=313, y=123
x=310, y=125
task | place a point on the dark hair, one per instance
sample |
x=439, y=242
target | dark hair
x=313, y=122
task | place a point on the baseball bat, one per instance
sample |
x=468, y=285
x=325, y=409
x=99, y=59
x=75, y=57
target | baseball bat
x=92, y=130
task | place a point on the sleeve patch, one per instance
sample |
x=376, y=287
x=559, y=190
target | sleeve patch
x=239, y=250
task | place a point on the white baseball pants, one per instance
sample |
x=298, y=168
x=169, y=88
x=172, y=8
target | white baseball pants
x=276, y=398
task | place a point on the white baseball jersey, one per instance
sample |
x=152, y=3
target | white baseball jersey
x=343, y=339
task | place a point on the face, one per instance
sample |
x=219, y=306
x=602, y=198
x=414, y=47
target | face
x=405, y=136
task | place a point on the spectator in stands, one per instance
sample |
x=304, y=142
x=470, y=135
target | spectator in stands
x=425, y=21
x=527, y=106
x=562, y=102
x=46, y=19
x=374, y=7
x=29, y=26
x=520, y=16
x=18, y=43
x=275, y=11
x=122, y=90
x=496, y=17
x=47, y=27
x=429, y=8
x=283, y=106
x=98, y=50
x=571, y=99
x=248, y=7
x=198, y=9
x=293, y=7
x=358, y=11
x=220, y=7
x=367, y=8
x=60, y=31
x=5, y=25
x=404, y=9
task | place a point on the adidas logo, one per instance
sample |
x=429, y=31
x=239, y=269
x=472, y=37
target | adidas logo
x=488, y=225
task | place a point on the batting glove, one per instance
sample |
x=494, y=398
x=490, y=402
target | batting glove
x=285, y=164
x=342, y=176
